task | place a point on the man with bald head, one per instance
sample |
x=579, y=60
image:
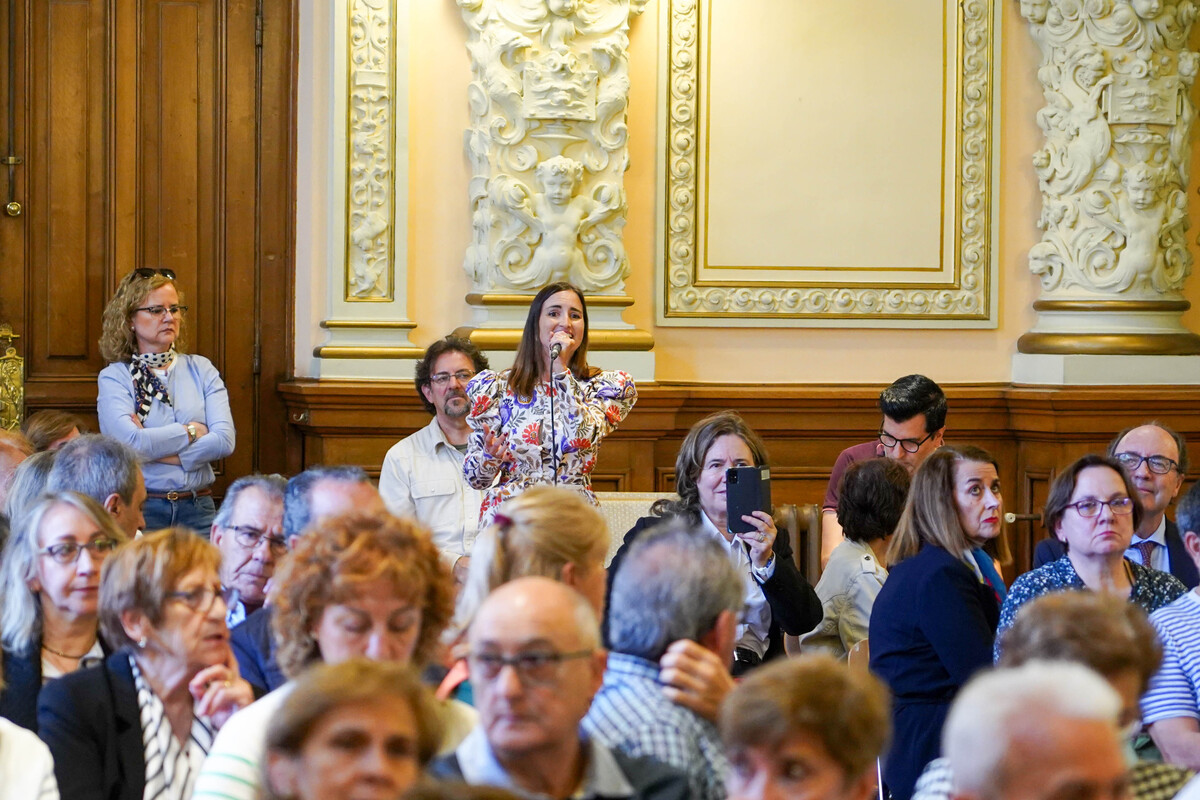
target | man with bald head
x=536, y=663
x=315, y=494
x=1157, y=460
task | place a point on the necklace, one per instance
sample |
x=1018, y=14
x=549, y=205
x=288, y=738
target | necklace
x=61, y=654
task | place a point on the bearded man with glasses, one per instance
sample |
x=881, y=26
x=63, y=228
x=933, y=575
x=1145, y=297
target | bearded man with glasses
x=422, y=475
x=1156, y=459
x=248, y=530
x=536, y=663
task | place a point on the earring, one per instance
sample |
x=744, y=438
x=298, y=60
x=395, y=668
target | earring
x=141, y=643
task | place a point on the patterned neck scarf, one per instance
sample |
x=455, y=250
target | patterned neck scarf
x=146, y=385
x=171, y=766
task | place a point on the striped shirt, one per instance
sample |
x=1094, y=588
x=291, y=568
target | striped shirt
x=631, y=714
x=1175, y=690
x=171, y=765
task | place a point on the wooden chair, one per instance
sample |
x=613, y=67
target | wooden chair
x=803, y=523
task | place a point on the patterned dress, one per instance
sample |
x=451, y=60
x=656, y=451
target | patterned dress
x=1151, y=589
x=585, y=411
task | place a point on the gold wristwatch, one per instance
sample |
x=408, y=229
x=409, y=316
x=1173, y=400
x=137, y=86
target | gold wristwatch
x=192, y=435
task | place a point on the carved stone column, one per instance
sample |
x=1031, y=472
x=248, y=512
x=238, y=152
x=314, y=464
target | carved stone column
x=366, y=324
x=548, y=152
x=1117, y=77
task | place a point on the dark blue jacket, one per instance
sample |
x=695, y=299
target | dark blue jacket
x=254, y=648
x=932, y=627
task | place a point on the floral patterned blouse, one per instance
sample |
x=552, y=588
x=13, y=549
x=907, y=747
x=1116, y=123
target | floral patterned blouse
x=585, y=411
x=1151, y=589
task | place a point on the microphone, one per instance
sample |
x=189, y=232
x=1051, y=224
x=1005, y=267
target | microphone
x=555, y=351
x=1010, y=517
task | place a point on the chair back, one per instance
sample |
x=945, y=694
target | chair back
x=621, y=510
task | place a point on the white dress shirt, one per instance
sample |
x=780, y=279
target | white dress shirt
x=422, y=478
x=754, y=627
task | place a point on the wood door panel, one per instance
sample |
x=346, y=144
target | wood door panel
x=143, y=144
x=65, y=200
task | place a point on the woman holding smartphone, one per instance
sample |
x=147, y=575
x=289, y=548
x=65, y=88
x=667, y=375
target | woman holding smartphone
x=778, y=598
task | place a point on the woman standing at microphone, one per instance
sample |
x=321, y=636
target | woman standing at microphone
x=542, y=420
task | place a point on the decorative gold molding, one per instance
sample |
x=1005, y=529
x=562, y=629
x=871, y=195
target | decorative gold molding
x=370, y=150
x=367, y=324
x=509, y=339
x=349, y=351
x=523, y=300
x=1177, y=306
x=1112, y=344
x=967, y=298
x=12, y=381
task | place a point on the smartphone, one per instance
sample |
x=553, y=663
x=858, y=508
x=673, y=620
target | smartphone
x=747, y=489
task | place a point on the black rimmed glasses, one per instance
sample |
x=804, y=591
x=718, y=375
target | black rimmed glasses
x=158, y=312
x=200, y=599
x=442, y=378
x=249, y=538
x=535, y=668
x=1159, y=465
x=150, y=272
x=1121, y=506
x=68, y=552
x=908, y=445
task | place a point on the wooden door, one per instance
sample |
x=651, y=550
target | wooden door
x=152, y=133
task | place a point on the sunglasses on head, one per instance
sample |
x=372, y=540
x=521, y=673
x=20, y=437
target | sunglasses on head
x=148, y=272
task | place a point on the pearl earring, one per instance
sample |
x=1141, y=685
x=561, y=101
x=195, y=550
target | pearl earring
x=141, y=643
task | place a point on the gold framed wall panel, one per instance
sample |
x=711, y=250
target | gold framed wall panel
x=959, y=289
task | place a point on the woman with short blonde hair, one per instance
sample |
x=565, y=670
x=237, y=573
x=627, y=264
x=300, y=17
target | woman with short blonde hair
x=173, y=682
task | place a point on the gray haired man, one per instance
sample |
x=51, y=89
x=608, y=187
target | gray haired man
x=248, y=530
x=105, y=470
x=675, y=583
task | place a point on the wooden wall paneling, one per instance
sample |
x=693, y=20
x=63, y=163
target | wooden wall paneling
x=278, y=442
x=14, y=230
x=65, y=200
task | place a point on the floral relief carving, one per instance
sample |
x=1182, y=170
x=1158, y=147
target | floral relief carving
x=547, y=142
x=1116, y=76
x=968, y=296
x=369, y=191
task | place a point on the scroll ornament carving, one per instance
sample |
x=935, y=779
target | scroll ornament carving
x=1116, y=76
x=369, y=171
x=547, y=143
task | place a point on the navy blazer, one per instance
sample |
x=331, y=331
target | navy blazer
x=91, y=722
x=254, y=648
x=932, y=627
x=22, y=676
x=1178, y=558
x=795, y=606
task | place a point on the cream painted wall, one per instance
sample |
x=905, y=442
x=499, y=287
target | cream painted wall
x=439, y=229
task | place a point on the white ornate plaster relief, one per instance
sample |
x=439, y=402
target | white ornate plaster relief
x=965, y=297
x=547, y=142
x=1117, y=77
x=370, y=182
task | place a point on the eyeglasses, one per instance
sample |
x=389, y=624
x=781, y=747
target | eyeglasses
x=1159, y=465
x=1091, y=508
x=442, y=378
x=68, y=552
x=537, y=668
x=908, y=445
x=200, y=599
x=150, y=272
x=158, y=312
x=249, y=538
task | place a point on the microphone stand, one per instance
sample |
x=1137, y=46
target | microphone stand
x=553, y=437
